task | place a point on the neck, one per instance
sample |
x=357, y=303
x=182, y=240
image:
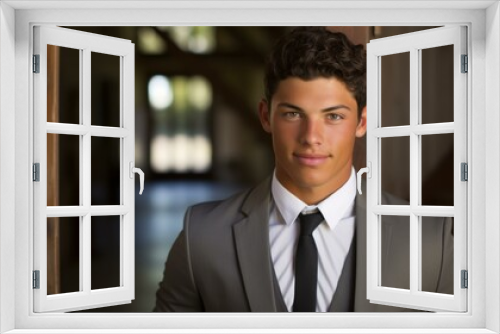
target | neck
x=315, y=194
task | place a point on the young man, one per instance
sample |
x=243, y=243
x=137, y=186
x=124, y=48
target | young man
x=296, y=242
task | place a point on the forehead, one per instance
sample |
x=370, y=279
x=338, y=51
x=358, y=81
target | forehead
x=326, y=90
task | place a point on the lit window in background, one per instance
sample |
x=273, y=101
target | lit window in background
x=150, y=42
x=159, y=92
x=180, y=141
x=193, y=39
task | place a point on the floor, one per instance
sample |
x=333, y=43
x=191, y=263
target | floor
x=159, y=217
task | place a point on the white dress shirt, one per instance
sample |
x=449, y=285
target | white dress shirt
x=333, y=238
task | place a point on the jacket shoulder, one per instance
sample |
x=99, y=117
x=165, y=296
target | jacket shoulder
x=220, y=209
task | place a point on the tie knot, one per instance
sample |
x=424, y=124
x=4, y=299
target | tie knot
x=309, y=222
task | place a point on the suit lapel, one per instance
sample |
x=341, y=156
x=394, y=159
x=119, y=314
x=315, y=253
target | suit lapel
x=252, y=246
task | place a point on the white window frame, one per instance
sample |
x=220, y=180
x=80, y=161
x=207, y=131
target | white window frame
x=85, y=43
x=16, y=21
x=413, y=44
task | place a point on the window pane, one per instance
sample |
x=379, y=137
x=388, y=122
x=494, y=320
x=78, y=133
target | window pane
x=63, y=170
x=63, y=91
x=63, y=255
x=395, y=252
x=395, y=91
x=437, y=277
x=437, y=169
x=437, y=84
x=105, y=248
x=105, y=171
x=105, y=89
x=396, y=166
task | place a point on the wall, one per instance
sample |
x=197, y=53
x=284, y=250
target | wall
x=491, y=167
x=7, y=160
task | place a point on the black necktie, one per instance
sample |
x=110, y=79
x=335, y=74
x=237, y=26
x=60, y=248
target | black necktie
x=306, y=264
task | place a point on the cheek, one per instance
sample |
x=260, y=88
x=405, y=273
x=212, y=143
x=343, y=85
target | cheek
x=342, y=139
x=284, y=134
x=282, y=144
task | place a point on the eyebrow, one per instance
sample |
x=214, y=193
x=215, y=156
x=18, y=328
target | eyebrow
x=332, y=108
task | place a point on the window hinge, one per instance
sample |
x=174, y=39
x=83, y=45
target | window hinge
x=465, y=64
x=464, y=172
x=36, y=279
x=36, y=63
x=36, y=172
x=465, y=279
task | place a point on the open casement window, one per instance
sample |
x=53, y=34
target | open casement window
x=66, y=145
x=421, y=131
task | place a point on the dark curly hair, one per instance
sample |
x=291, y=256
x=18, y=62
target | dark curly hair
x=314, y=52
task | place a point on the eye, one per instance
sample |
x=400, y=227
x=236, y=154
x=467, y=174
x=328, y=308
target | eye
x=334, y=117
x=291, y=114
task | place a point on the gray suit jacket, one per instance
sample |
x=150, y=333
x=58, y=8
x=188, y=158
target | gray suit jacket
x=221, y=260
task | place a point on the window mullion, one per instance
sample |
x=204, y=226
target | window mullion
x=419, y=126
x=414, y=170
x=85, y=162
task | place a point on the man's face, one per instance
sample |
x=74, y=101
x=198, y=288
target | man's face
x=313, y=125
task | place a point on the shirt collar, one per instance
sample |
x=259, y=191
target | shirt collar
x=334, y=208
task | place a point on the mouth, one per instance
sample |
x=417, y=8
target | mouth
x=310, y=160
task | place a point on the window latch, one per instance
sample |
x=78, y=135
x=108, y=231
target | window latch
x=133, y=170
x=368, y=171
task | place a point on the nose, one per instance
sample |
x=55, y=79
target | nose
x=312, y=131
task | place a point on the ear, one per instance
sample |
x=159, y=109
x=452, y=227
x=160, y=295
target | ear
x=264, y=115
x=361, y=127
